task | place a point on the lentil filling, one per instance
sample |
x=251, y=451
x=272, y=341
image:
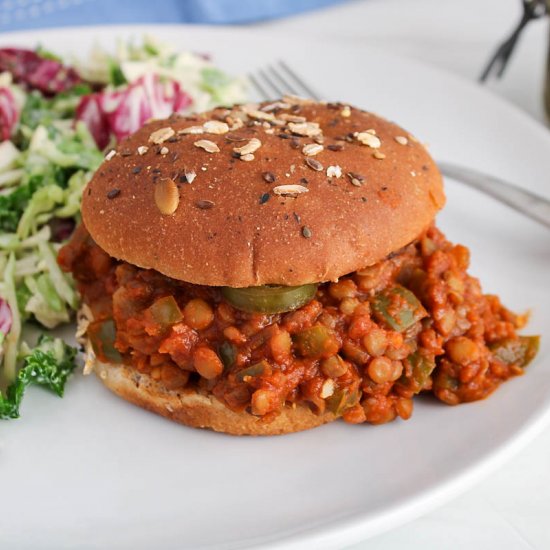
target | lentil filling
x=362, y=348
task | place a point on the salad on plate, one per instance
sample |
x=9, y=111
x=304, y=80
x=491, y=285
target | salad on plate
x=56, y=121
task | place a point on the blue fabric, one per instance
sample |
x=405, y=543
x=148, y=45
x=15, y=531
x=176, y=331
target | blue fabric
x=33, y=14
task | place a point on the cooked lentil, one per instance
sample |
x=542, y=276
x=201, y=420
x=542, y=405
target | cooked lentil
x=362, y=348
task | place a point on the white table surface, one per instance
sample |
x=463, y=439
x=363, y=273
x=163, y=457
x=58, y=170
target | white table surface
x=510, y=510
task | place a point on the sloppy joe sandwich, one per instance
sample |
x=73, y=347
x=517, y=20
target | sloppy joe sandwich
x=272, y=267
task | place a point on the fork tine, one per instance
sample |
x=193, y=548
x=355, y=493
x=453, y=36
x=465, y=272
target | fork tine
x=300, y=82
x=259, y=88
x=287, y=86
x=279, y=92
x=278, y=80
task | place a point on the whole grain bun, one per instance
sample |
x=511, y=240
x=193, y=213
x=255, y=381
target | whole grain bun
x=198, y=410
x=231, y=227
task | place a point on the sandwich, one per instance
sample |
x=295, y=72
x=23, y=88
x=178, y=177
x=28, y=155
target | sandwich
x=273, y=267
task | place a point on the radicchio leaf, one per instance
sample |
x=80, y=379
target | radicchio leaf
x=9, y=113
x=90, y=111
x=5, y=317
x=36, y=72
x=122, y=112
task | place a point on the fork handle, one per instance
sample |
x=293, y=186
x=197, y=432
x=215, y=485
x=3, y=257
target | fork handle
x=532, y=205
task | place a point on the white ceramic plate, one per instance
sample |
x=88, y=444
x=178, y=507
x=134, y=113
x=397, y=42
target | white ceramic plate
x=92, y=471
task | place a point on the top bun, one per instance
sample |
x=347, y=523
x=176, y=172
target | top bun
x=362, y=188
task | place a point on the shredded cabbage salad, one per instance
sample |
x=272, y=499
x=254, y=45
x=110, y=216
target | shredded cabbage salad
x=55, y=121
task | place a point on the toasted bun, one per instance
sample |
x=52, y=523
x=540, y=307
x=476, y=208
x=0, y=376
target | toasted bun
x=232, y=228
x=197, y=410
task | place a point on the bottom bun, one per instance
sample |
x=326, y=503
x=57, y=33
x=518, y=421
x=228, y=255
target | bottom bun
x=201, y=411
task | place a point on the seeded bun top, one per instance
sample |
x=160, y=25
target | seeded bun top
x=287, y=193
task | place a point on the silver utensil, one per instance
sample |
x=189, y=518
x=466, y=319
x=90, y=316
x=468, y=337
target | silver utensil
x=532, y=205
x=279, y=79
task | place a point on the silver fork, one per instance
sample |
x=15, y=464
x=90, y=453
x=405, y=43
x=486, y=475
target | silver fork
x=279, y=79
